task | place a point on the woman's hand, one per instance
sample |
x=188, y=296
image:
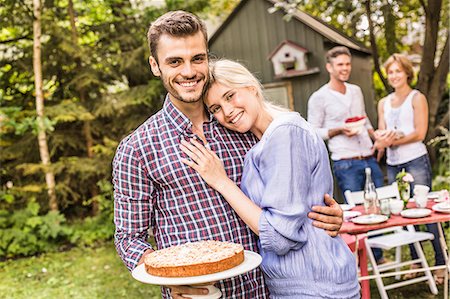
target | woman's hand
x=180, y=292
x=205, y=162
x=384, y=138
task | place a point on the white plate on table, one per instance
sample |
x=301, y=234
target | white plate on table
x=433, y=195
x=350, y=214
x=251, y=261
x=415, y=213
x=346, y=207
x=370, y=219
x=443, y=207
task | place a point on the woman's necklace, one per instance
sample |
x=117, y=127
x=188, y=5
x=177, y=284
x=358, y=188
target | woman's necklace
x=399, y=98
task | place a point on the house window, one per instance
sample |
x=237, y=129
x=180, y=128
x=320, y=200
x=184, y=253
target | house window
x=280, y=93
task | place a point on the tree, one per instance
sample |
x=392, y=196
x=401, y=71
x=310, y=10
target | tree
x=97, y=88
x=432, y=78
x=373, y=46
x=42, y=138
x=82, y=94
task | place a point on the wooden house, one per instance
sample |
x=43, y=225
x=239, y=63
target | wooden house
x=288, y=56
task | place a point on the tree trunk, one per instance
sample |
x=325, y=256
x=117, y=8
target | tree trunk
x=373, y=46
x=389, y=29
x=437, y=89
x=42, y=138
x=432, y=80
x=432, y=16
x=87, y=132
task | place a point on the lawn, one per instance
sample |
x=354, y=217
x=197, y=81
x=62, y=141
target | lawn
x=414, y=291
x=99, y=273
x=78, y=273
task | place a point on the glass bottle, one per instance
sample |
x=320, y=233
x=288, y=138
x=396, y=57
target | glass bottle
x=371, y=202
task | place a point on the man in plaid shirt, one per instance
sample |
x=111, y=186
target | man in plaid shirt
x=153, y=189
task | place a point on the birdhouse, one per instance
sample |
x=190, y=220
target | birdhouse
x=289, y=60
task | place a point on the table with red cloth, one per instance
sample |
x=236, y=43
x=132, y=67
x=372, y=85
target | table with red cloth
x=394, y=220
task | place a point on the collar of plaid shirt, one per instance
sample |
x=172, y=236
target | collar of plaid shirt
x=183, y=208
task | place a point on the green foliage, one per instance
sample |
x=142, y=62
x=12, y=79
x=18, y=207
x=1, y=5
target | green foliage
x=25, y=232
x=68, y=111
x=188, y=5
x=94, y=230
x=97, y=88
x=441, y=179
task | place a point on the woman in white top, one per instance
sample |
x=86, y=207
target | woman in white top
x=402, y=127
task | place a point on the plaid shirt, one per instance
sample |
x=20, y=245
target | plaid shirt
x=152, y=188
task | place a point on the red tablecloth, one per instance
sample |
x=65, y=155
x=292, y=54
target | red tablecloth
x=352, y=228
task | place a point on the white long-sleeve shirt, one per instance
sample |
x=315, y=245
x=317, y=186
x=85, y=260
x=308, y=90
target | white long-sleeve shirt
x=328, y=109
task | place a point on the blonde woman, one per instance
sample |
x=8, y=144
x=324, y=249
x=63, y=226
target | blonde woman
x=284, y=175
x=403, y=124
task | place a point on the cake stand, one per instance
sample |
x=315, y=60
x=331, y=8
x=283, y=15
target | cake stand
x=251, y=261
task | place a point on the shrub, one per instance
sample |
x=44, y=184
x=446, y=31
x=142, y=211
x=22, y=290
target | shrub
x=94, y=230
x=24, y=232
x=441, y=179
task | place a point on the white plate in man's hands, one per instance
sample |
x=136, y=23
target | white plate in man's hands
x=251, y=261
x=370, y=219
x=415, y=213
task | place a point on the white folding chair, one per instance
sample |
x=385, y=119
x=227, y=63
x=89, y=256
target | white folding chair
x=394, y=237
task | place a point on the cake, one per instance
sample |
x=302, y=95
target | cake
x=194, y=258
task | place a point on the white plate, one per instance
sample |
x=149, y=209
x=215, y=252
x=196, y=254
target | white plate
x=346, y=207
x=251, y=261
x=350, y=214
x=370, y=219
x=433, y=195
x=415, y=213
x=439, y=199
x=442, y=207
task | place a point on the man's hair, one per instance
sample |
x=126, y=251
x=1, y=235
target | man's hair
x=337, y=51
x=174, y=23
x=404, y=63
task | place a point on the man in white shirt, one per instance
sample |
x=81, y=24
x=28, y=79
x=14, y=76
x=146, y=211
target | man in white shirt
x=328, y=108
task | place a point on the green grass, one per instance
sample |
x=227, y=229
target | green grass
x=78, y=273
x=99, y=273
x=413, y=291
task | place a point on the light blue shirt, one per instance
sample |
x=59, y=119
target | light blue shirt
x=286, y=173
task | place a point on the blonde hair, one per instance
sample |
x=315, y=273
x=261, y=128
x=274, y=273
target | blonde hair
x=235, y=75
x=404, y=63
